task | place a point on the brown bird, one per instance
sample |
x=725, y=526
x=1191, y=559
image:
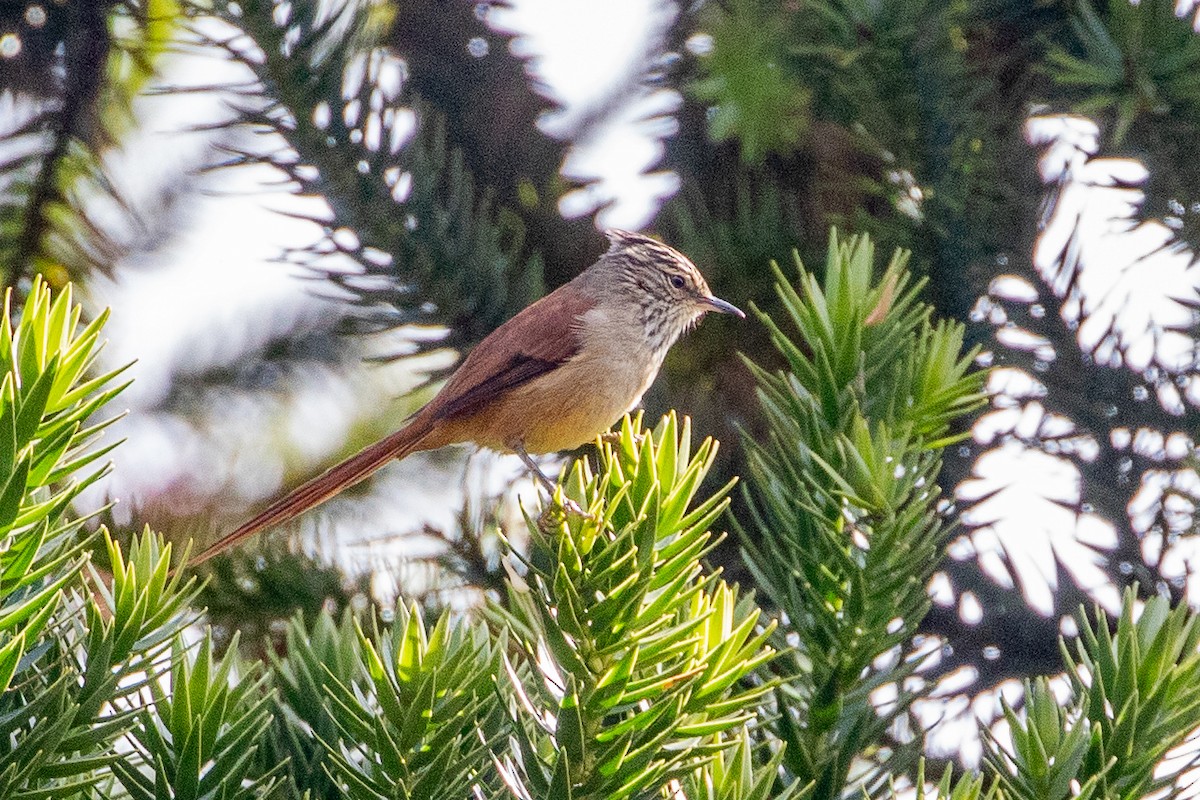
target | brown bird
x=551, y=378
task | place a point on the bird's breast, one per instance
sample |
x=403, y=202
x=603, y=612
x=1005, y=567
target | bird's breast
x=607, y=377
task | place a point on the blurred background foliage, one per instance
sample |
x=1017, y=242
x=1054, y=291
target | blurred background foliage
x=419, y=166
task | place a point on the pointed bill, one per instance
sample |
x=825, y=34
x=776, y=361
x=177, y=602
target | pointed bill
x=724, y=306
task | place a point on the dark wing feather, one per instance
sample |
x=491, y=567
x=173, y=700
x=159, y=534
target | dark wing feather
x=536, y=341
x=520, y=369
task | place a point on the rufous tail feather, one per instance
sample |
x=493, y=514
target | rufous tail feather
x=316, y=491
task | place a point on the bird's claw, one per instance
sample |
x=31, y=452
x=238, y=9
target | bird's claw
x=571, y=507
x=614, y=437
x=555, y=514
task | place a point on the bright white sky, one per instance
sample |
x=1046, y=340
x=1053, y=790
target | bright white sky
x=1123, y=279
x=582, y=50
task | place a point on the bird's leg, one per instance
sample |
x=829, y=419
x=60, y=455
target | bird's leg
x=543, y=479
x=569, y=505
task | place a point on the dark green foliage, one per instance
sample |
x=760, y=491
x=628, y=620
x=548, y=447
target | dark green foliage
x=278, y=584
x=56, y=673
x=419, y=714
x=906, y=120
x=1135, y=60
x=635, y=659
x=793, y=82
x=969, y=786
x=74, y=81
x=627, y=668
x=1136, y=69
x=843, y=497
x=735, y=775
x=758, y=102
x=898, y=118
x=70, y=699
x=315, y=656
x=76, y=647
x=1134, y=696
x=621, y=666
x=425, y=243
x=200, y=735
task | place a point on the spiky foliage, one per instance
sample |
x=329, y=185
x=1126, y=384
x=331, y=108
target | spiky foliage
x=634, y=657
x=1132, y=61
x=843, y=499
x=1133, y=68
x=968, y=786
x=278, y=584
x=48, y=403
x=302, y=727
x=199, y=736
x=408, y=232
x=845, y=92
x=734, y=774
x=910, y=116
x=403, y=712
x=902, y=117
x=621, y=666
x=421, y=714
x=74, y=651
x=1134, y=698
x=910, y=125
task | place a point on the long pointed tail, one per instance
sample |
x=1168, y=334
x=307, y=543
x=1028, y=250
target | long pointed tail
x=316, y=491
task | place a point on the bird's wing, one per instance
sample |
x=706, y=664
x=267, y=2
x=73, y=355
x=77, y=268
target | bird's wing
x=548, y=333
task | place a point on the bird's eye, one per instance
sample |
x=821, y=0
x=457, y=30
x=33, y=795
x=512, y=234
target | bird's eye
x=677, y=281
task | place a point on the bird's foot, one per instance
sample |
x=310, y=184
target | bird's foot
x=555, y=514
x=567, y=505
x=614, y=437
x=571, y=507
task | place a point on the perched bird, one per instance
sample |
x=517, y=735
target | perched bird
x=551, y=378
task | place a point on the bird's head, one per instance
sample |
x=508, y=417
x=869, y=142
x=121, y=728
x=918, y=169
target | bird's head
x=673, y=293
